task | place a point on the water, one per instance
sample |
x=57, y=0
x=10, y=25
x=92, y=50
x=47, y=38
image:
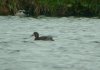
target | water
x=76, y=45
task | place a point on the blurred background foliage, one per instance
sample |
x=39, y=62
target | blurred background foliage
x=87, y=8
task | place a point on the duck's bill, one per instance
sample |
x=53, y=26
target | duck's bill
x=32, y=35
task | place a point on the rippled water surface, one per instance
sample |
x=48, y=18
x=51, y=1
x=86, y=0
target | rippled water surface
x=76, y=45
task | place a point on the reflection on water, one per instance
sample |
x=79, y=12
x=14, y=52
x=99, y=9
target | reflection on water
x=76, y=45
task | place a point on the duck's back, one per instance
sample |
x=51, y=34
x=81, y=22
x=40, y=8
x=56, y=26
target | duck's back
x=46, y=38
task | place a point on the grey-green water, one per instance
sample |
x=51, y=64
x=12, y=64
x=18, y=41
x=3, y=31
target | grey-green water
x=76, y=45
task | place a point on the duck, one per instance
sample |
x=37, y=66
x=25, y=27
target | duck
x=45, y=38
x=20, y=13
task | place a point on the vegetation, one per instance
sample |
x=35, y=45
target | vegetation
x=86, y=8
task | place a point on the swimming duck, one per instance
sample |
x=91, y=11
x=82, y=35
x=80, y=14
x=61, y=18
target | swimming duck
x=36, y=34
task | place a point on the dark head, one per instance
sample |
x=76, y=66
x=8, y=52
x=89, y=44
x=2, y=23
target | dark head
x=36, y=34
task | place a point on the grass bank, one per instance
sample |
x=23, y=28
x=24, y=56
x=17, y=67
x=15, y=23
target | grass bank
x=87, y=8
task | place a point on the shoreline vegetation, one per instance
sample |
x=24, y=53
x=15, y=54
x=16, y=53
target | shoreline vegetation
x=58, y=8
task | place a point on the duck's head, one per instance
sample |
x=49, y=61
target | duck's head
x=36, y=34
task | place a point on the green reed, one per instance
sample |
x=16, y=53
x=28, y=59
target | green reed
x=86, y=8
